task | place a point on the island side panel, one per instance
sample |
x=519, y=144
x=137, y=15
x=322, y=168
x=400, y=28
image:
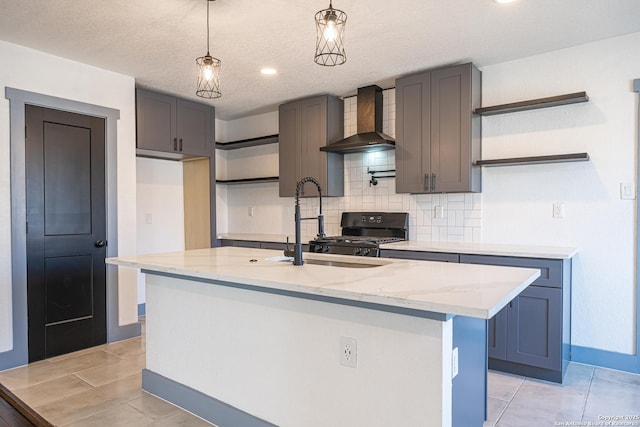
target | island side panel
x=278, y=357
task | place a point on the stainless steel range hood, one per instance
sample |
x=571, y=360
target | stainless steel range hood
x=369, y=126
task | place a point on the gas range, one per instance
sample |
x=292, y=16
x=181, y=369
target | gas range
x=363, y=233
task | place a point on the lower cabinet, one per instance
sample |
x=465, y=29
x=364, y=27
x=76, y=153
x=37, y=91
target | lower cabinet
x=418, y=255
x=531, y=336
x=529, y=329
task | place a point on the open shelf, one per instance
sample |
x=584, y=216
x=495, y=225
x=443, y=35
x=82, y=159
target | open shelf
x=557, y=158
x=248, y=180
x=251, y=142
x=552, y=101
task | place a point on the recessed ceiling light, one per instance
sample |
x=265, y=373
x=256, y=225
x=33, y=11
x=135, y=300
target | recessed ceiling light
x=268, y=71
x=503, y=1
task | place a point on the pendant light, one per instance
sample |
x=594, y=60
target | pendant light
x=208, y=71
x=330, y=25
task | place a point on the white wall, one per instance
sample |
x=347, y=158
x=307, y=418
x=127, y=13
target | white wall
x=518, y=201
x=34, y=71
x=160, y=209
x=515, y=206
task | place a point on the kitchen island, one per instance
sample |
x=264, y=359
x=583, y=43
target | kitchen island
x=240, y=339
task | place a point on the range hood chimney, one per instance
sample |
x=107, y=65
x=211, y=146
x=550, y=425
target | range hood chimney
x=369, y=136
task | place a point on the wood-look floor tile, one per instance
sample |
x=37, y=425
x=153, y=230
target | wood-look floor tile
x=154, y=407
x=181, y=419
x=40, y=372
x=113, y=371
x=128, y=348
x=93, y=401
x=120, y=415
x=42, y=393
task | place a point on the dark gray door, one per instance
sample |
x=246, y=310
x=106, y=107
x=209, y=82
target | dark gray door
x=66, y=231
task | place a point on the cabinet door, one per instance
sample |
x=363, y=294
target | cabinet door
x=313, y=162
x=289, y=148
x=497, y=326
x=534, y=329
x=156, y=121
x=194, y=128
x=412, y=134
x=452, y=138
x=305, y=126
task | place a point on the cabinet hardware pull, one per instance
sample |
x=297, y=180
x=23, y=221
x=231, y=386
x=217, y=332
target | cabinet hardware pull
x=425, y=184
x=433, y=182
x=180, y=144
x=175, y=144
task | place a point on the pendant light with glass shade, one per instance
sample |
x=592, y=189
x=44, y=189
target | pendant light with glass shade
x=330, y=25
x=208, y=71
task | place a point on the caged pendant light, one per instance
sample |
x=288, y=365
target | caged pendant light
x=208, y=71
x=330, y=24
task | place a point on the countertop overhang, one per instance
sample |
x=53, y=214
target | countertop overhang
x=453, y=289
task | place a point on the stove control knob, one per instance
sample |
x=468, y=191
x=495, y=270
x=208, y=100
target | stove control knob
x=325, y=249
x=357, y=251
x=366, y=251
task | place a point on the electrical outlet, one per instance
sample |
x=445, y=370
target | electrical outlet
x=438, y=212
x=348, y=352
x=148, y=218
x=558, y=210
x=252, y=210
x=454, y=363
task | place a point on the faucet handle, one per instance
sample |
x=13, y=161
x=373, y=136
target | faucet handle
x=288, y=252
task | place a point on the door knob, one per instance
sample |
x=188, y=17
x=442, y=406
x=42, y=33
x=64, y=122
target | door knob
x=101, y=243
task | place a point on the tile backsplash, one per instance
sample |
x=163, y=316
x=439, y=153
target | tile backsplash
x=459, y=216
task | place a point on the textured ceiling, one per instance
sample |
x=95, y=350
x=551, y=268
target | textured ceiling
x=157, y=41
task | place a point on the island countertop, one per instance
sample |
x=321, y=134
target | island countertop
x=458, y=289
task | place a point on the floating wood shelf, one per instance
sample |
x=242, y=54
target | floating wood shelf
x=251, y=142
x=557, y=158
x=248, y=180
x=552, y=101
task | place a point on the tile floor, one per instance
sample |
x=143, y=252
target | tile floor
x=586, y=397
x=101, y=387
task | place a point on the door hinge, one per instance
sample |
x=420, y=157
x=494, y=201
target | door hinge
x=27, y=227
x=25, y=131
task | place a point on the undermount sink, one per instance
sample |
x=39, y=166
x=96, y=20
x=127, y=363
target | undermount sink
x=329, y=263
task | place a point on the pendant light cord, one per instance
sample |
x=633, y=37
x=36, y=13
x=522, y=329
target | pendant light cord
x=208, y=1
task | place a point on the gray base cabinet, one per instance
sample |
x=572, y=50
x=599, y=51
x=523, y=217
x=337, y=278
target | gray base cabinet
x=437, y=135
x=532, y=335
x=172, y=127
x=305, y=126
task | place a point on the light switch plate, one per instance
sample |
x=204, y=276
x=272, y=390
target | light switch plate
x=627, y=191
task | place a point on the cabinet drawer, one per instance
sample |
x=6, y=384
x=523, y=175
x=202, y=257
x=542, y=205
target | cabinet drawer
x=419, y=255
x=550, y=269
x=274, y=245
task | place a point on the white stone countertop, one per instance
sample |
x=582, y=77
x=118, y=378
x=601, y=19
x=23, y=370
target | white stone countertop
x=524, y=251
x=460, y=289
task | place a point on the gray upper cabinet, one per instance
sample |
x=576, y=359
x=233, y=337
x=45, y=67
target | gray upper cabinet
x=174, y=126
x=437, y=135
x=305, y=126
